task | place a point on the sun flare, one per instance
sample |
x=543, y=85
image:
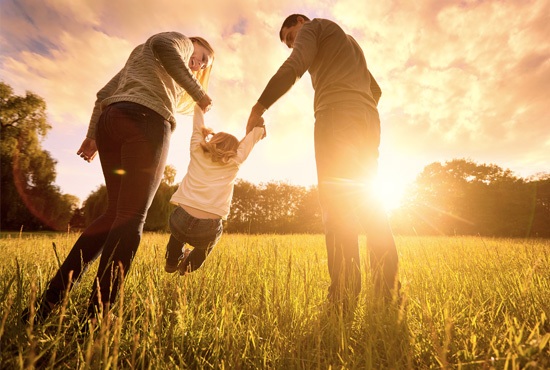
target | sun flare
x=390, y=191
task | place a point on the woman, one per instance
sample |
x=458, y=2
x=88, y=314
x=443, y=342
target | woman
x=130, y=127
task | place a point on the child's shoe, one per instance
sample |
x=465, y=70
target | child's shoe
x=170, y=268
x=181, y=267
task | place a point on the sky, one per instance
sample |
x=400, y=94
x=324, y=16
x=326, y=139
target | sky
x=460, y=79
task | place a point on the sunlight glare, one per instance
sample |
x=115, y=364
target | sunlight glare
x=390, y=192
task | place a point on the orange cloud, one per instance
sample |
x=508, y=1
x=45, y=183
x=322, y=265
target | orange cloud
x=459, y=78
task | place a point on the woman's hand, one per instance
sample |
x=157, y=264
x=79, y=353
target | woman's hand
x=88, y=150
x=205, y=103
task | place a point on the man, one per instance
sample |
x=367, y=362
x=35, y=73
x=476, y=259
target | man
x=347, y=137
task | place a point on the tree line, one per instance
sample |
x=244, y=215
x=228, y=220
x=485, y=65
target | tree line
x=458, y=197
x=29, y=197
x=461, y=197
x=273, y=207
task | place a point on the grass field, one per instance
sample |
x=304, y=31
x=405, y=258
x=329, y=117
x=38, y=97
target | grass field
x=258, y=303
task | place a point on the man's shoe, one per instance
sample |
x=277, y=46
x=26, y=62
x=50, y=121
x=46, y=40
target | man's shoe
x=41, y=312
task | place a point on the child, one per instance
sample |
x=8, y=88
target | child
x=204, y=195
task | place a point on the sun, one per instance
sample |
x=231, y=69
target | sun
x=397, y=170
x=390, y=191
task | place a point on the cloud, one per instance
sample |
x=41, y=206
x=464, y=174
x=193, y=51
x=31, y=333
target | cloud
x=474, y=82
x=70, y=75
x=459, y=78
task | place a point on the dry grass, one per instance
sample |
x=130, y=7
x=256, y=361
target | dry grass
x=258, y=303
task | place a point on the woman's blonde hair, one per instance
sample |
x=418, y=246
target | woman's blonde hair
x=186, y=102
x=221, y=146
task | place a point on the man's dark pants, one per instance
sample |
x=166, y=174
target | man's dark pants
x=346, y=153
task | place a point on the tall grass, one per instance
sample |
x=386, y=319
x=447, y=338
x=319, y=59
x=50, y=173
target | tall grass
x=258, y=303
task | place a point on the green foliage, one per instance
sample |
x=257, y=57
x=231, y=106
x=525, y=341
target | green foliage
x=274, y=207
x=458, y=197
x=541, y=218
x=258, y=302
x=169, y=175
x=95, y=205
x=159, y=213
x=29, y=196
x=461, y=197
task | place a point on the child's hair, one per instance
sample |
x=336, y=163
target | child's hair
x=186, y=103
x=221, y=146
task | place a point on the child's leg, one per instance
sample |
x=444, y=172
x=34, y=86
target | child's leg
x=195, y=258
x=174, y=248
x=210, y=233
x=174, y=251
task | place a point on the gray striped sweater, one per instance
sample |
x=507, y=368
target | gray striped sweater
x=155, y=75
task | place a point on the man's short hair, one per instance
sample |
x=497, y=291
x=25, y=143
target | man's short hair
x=290, y=21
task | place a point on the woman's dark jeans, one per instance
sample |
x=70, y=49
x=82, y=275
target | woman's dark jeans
x=201, y=233
x=132, y=142
x=346, y=154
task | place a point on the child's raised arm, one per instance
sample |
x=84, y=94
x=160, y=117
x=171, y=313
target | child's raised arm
x=248, y=142
x=198, y=127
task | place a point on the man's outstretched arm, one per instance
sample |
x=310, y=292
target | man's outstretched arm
x=279, y=85
x=299, y=61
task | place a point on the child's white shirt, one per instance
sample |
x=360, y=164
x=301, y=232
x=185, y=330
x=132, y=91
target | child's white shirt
x=208, y=185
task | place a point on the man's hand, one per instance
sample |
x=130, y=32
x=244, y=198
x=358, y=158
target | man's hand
x=88, y=150
x=261, y=123
x=205, y=103
x=255, y=118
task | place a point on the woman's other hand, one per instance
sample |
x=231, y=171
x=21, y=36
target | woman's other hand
x=88, y=150
x=205, y=103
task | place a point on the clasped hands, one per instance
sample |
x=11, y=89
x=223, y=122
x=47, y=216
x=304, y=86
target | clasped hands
x=255, y=119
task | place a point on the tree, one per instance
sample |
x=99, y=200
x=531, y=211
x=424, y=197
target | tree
x=274, y=207
x=159, y=212
x=244, y=214
x=157, y=215
x=463, y=197
x=540, y=184
x=308, y=215
x=278, y=202
x=78, y=221
x=29, y=196
x=95, y=205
